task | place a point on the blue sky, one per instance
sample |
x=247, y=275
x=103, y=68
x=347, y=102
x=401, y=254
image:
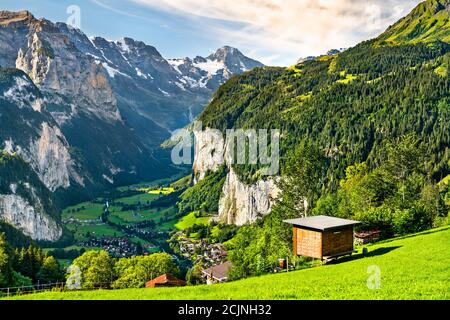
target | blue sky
x=277, y=32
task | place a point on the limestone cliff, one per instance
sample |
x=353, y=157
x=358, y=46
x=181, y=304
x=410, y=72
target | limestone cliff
x=25, y=202
x=240, y=203
x=28, y=218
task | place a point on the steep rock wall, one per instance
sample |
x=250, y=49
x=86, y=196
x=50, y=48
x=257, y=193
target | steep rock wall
x=240, y=203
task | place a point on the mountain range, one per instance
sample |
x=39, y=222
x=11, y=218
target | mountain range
x=86, y=114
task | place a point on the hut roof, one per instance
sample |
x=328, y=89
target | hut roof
x=322, y=223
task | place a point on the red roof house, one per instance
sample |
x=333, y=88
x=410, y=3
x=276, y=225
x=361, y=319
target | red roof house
x=166, y=280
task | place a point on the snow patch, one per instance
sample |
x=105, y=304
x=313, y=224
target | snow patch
x=176, y=63
x=140, y=73
x=112, y=72
x=123, y=46
x=210, y=66
x=164, y=92
x=110, y=180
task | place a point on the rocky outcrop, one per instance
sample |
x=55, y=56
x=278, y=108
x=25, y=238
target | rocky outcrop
x=241, y=204
x=39, y=141
x=51, y=159
x=209, y=152
x=27, y=218
x=25, y=202
x=55, y=64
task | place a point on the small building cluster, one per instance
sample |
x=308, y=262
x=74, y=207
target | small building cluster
x=200, y=251
x=116, y=246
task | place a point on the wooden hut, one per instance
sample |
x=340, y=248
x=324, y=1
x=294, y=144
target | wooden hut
x=323, y=237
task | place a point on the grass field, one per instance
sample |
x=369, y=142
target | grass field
x=190, y=220
x=98, y=230
x=140, y=198
x=160, y=191
x=84, y=211
x=412, y=267
x=127, y=217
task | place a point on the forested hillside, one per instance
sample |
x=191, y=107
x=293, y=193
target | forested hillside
x=364, y=135
x=349, y=104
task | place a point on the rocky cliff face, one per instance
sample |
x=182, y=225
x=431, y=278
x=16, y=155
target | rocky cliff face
x=209, y=152
x=31, y=132
x=241, y=203
x=28, y=218
x=25, y=202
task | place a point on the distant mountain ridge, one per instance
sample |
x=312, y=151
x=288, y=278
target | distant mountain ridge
x=214, y=70
x=176, y=89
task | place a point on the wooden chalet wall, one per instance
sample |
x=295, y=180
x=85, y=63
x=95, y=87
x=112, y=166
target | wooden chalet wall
x=337, y=241
x=317, y=244
x=308, y=243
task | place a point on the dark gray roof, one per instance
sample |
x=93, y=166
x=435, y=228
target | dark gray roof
x=322, y=223
x=220, y=271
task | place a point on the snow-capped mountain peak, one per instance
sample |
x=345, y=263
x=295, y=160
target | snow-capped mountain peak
x=214, y=70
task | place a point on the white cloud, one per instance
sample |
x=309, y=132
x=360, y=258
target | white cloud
x=280, y=31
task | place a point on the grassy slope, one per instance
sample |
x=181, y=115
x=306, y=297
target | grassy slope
x=428, y=22
x=412, y=267
x=190, y=220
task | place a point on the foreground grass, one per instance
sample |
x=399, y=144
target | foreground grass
x=412, y=267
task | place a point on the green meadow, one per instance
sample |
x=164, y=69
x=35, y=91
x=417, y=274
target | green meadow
x=191, y=220
x=411, y=267
x=84, y=211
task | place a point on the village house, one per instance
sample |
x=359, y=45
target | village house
x=165, y=280
x=218, y=273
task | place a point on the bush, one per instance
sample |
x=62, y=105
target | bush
x=19, y=280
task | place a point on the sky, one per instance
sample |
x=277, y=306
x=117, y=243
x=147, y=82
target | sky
x=275, y=32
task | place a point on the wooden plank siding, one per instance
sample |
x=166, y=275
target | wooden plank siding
x=309, y=243
x=318, y=244
x=295, y=241
x=337, y=241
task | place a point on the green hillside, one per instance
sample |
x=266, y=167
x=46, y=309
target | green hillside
x=412, y=267
x=350, y=105
x=428, y=22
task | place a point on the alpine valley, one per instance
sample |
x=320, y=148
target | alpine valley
x=82, y=115
x=364, y=135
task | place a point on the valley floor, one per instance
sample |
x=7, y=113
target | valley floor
x=411, y=267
